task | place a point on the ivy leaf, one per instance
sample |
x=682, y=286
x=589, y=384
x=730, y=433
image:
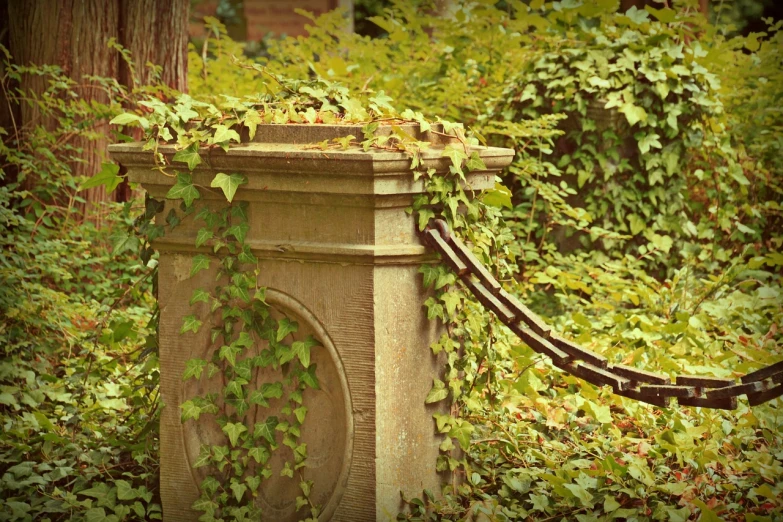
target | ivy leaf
x=199, y=263
x=257, y=397
x=193, y=369
x=649, y=141
x=122, y=241
x=456, y=155
x=97, y=515
x=287, y=471
x=244, y=340
x=229, y=353
x=451, y=300
x=204, y=456
x=251, y=121
x=437, y=393
x=183, y=189
x=210, y=485
x=462, y=431
x=107, y=176
x=300, y=414
x=189, y=155
x=228, y=184
x=190, y=324
x=202, y=236
x=498, y=197
x=238, y=489
x=309, y=378
x=234, y=387
x=285, y=327
x=272, y=390
x=124, y=118
x=233, y=430
x=476, y=163
x=223, y=134
x=238, y=231
x=581, y=493
x=190, y=410
x=266, y=429
x=633, y=113
x=199, y=296
x=258, y=453
x=301, y=349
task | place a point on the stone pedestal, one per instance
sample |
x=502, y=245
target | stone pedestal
x=339, y=255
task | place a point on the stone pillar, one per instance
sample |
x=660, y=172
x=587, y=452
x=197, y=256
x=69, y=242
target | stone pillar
x=340, y=255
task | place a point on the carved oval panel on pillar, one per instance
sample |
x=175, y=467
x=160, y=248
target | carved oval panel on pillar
x=327, y=430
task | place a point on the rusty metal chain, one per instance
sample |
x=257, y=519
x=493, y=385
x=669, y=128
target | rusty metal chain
x=707, y=392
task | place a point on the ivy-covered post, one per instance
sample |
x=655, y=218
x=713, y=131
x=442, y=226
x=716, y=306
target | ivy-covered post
x=337, y=250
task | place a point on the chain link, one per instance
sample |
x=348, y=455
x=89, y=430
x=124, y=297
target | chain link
x=689, y=390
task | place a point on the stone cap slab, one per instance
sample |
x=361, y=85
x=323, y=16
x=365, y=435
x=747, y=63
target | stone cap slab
x=285, y=158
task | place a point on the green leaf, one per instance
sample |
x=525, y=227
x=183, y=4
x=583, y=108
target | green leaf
x=581, y=493
x=633, y=113
x=272, y=390
x=499, y=197
x=462, y=431
x=251, y=120
x=235, y=388
x=223, y=134
x=199, y=296
x=285, y=327
x=229, y=353
x=437, y=393
x=190, y=410
x=204, y=457
x=125, y=491
x=238, y=489
x=8, y=399
x=238, y=231
x=190, y=324
x=122, y=241
x=183, y=189
x=300, y=414
x=228, y=184
x=194, y=369
x=107, y=176
x=124, y=118
x=301, y=349
x=266, y=429
x=259, y=453
x=96, y=515
x=649, y=141
x=202, y=236
x=200, y=262
x=189, y=155
x=233, y=430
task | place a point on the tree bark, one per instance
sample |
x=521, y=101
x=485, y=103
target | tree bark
x=156, y=32
x=73, y=34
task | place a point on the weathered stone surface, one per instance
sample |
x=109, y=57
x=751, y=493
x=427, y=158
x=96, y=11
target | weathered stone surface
x=339, y=255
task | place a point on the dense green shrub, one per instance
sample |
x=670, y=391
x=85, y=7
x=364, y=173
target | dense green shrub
x=670, y=186
x=78, y=386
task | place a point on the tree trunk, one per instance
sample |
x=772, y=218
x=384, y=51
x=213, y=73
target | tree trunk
x=155, y=31
x=73, y=34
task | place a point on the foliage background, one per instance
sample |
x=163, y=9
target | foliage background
x=647, y=229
